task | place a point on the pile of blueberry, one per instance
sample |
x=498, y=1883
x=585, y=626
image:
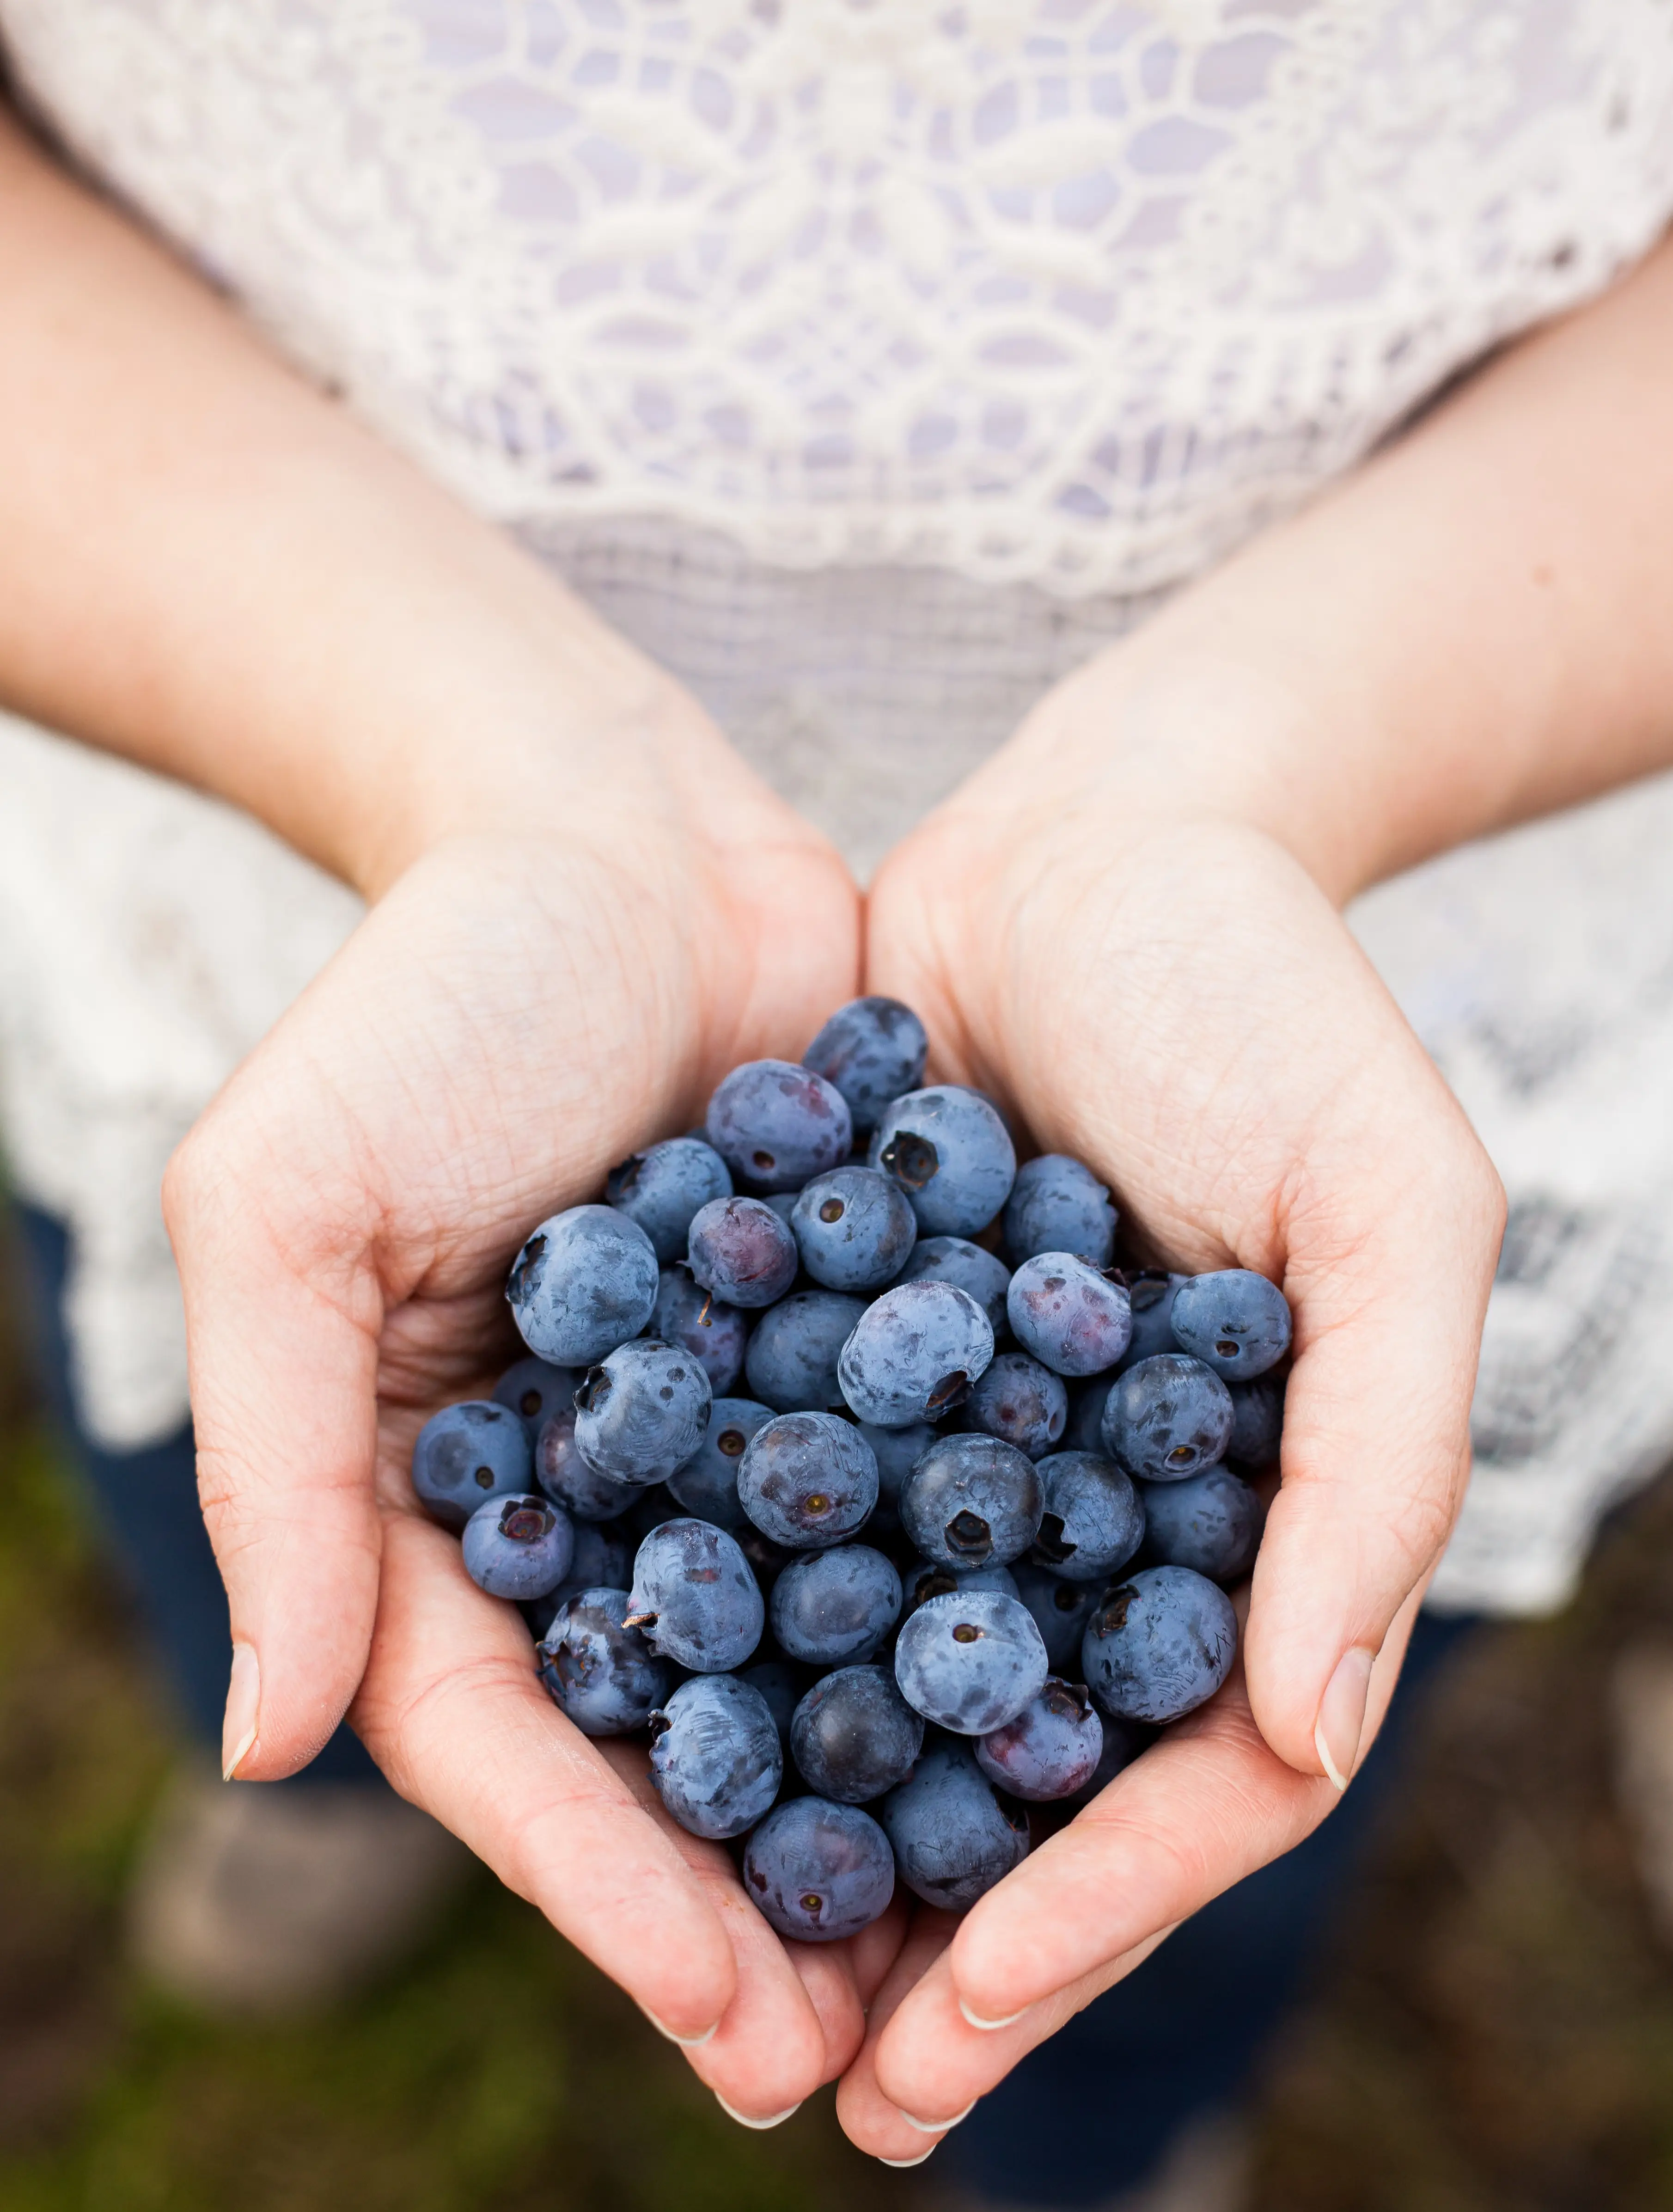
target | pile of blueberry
x=909, y=1570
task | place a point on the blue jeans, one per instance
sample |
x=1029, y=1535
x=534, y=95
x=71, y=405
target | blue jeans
x=148, y=1503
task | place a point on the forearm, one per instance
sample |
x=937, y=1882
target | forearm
x=207, y=565
x=1475, y=627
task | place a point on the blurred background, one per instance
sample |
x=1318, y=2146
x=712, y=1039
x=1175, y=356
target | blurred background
x=1493, y=2031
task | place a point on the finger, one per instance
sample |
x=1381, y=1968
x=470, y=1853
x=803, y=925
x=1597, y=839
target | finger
x=282, y=1389
x=870, y=2118
x=452, y=1709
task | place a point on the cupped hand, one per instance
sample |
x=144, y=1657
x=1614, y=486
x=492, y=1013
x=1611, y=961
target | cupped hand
x=1150, y=979
x=531, y=1000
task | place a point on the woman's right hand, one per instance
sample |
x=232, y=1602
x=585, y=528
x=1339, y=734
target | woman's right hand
x=534, y=996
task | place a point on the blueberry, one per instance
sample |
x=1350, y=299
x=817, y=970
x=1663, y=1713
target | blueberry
x=792, y=1360
x=741, y=1252
x=1258, y=1422
x=808, y=1479
x=970, y=1661
x=1085, y=1429
x=663, y=1187
x=654, y=1504
x=1057, y=1204
x=783, y=1203
x=954, y=1835
x=914, y=1353
x=643, y=1412
x=897, y=1451
x=1072, y=1316
x=1236, y=1321
x=567, y=1480
x=535, y=1389
x=1061, y=1610
x=833, y=1608
x=854, y=1736
x=776, y=1124
x=1168, y=1417
x=716, y=1760
x=517, y=1548
x=1122, y=1742
x=1050, y=1750
x=854, y=1228
x=872, y=1049
x=952, y=1155
x=780, y=1684
x=971, y=1502
x=1020, y=1402
x=714, y=1334
x=707, y=1484
x=584, y=1282
x=1160, y=1645
x=818, y=1872
x=602, y=1557
x=1093, y=1520
x=967, y=1268
x=695, y=1598
x=605, y=1677
x=1150, y=1295
x=467, y=1454
x=1211, y=1523
x=926, y=1578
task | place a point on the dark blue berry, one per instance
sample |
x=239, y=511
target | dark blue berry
x=707, y=1484
x=1072, y=1316
x=970, y=1661
x=1150, y=1295
x=926, y=1578
x=1160, y=1645
x=661, y=1189
x=1057, y=1204
x=517, y=1548
x=643, y=1412
x=834, y=1607
x=466, y=1455
x=972, y=1501
x=854, y=1228
x=1061, y=1610
x=1233, y=1319
x=584, y=1282
x=818, y=1872
x=741, y=1252
x=605, y=1677
x=853, y=1735
x=792, y=1358
x=914, y=1353
x=952, y=1155
x=1020, y=1402
x=1084, y=1430
x=1168, y=1417
x=716, y=1760
x=953, y=1836
x=807, y=1480
x=872, y=1049
x=535, y=1389
x=967, y=1268
x=776, y=1124
x=695, y=1598
x=569, y=1480
x=1050, y=1750
x=1258, y=1422
x=897, y=1451
x=1093, y=1520
x=713, y=1332
x=781, y=1685
x=1211, y=1523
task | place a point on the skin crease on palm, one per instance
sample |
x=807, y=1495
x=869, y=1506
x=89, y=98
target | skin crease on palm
x=587, y=908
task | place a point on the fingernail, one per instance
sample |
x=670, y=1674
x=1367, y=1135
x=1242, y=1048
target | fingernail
x=244, y=1691
x=773, y=2119
x=937, y=2127
x=918, y=2160
x=685, y=2042
x=987, y=2026
x=1340, y=1722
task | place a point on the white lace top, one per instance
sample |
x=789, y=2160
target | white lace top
x=870, y=360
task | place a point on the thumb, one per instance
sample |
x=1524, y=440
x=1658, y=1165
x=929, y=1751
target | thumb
x=282, y=1350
